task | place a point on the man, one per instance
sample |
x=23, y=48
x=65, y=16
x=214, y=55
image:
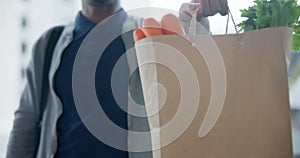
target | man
x=62, y=133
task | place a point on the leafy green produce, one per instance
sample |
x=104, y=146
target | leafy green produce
x=273, y=13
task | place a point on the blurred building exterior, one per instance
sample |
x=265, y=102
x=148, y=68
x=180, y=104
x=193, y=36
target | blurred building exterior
x=10, y=59
x=23, y=22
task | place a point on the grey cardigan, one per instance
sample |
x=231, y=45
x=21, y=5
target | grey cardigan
x=26, y=140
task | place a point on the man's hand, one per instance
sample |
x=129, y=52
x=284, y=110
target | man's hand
x=202, y=8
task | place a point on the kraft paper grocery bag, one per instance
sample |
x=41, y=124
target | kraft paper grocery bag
x=223, y=96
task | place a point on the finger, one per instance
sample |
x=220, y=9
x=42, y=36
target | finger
x=171, y=25
x=224, y=7
x=138, y=34
x=151, y=27
x=185, y=13
x=206, y=7
x=188, y=10
x=199, y=12
x=215, y=7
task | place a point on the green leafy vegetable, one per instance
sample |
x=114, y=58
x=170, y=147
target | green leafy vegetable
x=273, y=13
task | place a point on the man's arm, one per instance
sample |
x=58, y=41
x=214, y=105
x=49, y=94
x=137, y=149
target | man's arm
x=25, y=134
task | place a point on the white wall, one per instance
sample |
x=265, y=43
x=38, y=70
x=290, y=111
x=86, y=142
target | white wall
x=131, y=4
x=9, y=66
x=41, y=15
x=9, y=61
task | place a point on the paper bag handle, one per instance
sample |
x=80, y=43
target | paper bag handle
x=235, y=26
x=193, y=26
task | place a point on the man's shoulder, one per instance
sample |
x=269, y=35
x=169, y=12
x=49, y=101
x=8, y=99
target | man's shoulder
x=135, y=19
x=63, y=29
x=43, y=41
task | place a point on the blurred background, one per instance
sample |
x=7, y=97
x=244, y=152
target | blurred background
x=23, y=21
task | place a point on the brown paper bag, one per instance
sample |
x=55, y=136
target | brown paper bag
x=253, y=122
